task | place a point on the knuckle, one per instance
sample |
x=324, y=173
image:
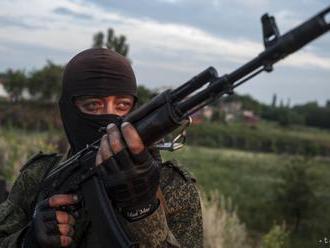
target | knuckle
x=134, y=148
x=62, y=217
x=64, y=229
x=66, y=218
x=65, y=241
x=116, y=144
x=71, y=220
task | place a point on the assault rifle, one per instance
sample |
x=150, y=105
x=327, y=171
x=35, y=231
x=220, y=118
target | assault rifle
x=164, y=114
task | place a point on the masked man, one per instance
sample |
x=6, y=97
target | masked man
x=158, y=201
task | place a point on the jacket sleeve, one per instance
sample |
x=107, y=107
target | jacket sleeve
x=16, y=211
x=177, y=222
x=12, y=223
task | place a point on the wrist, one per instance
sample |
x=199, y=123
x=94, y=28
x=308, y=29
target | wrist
x=141, y=211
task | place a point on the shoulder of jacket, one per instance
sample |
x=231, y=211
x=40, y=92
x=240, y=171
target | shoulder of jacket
x=179, y=169
x=40, y=158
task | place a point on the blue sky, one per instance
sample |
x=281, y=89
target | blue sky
x=170, y=40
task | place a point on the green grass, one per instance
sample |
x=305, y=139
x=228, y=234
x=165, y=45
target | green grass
x=265, y=137
x=16, y=146
x=304, y=132
x=250, y=180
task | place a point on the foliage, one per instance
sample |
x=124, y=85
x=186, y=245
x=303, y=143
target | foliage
x=283, y=115
x=277, y=237
x=113, y=42
x=310, y=114
x=42, y=85
x=222, y=227
x=144, y=94
x=14, y=83
x=265, y=138
x=16, y=146
x=45, y=84
x=250, y=180
x=315, y=115
x=294, y=196
x=30, y=115
x=117, y=44
x=98, y=40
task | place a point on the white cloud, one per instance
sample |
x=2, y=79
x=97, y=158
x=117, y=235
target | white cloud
x=287, y=20
x=169, y=1
x=253, y=3
x=163, y=39
x=307, y=59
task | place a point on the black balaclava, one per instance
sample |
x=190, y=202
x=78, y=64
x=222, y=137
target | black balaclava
x=93, y=72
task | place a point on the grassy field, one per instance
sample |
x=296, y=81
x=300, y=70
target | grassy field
x=251, y=181
x=265, y=137
x=17, y=145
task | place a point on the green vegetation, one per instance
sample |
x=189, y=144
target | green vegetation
x=116, y=43
x=17, y=146
x=222, y=227
x=266, y=137
x=251, y=180
x=277, y=237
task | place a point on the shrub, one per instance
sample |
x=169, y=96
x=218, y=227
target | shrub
x=222, y=227
x=277, y=237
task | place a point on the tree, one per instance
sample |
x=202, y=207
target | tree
x=117, y=44
x=113, y=42
x=294, y=195
x=98, y=40
x=144, y=94
x=274, y=100
x=45, y=84
x=14, y=83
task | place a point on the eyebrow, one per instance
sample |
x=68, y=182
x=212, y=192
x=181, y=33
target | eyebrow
x=80, y=98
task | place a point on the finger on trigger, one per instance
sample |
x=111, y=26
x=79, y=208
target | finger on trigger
x=132, y=138
x=64, y=218
x=114, y=137
x=65, y=241
x=62, y=200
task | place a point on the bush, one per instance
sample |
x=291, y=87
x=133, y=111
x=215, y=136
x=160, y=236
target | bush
x=17, y=146
x=277, y=237
x=261, y=139
x=294, y=196
x=222, y=227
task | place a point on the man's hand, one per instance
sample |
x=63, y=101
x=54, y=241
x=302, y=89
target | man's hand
x=51, y=227
x=130, y=174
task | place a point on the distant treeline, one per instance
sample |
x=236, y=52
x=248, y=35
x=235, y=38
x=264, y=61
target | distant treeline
x=43, y=86
x=263, y=138
x=309, y=114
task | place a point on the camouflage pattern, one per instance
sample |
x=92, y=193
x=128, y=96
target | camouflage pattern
x=176, y=223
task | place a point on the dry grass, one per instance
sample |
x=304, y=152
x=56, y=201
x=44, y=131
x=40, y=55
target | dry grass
x=222, y=227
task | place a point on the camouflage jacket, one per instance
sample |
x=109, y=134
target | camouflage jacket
x=176, y=223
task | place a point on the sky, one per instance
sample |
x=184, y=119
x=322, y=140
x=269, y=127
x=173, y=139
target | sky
x=171, y=40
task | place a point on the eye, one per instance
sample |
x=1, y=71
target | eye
x=92, y=106
x=124, y=105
